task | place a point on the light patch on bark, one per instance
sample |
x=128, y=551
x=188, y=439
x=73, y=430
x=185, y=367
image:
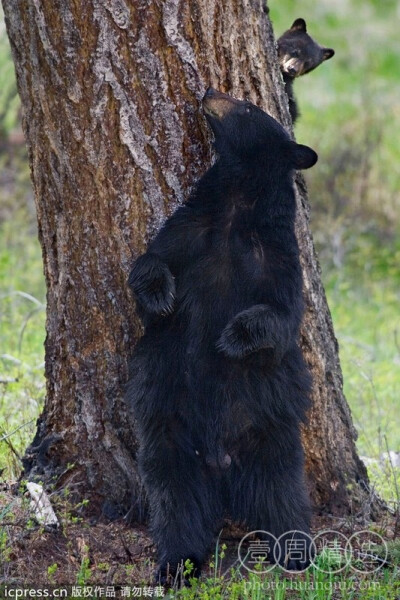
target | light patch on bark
x=171, y=11
x=88, y=413
x=165, y=115
x=72, y=38
x=74, y=94
x=43, y=29
x=120, y=12
x=132, y=133
x=120, y=454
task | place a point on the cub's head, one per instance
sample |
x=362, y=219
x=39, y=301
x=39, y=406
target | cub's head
x=298, y=53
x=245, y=132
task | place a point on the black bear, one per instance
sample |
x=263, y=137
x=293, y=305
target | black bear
x=298, y=54
x=218, y=385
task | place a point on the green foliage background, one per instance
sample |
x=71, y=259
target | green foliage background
x=350, y=113
x=9, y=101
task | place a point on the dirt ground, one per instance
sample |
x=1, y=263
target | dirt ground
x=82, y=550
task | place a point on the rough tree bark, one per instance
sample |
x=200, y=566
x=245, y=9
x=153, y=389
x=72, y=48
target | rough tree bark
x=110, y=91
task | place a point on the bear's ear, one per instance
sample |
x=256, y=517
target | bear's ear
x=303, y=157
x=328, y=53
x=299, y=25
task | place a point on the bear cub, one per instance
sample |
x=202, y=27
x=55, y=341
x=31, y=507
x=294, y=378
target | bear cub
x=298, y=54
x=218, y=386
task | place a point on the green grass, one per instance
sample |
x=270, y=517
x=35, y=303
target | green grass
x=367, y=322
x=364, y=298
x=9, y=100
x=22, y=320
x=319, y=582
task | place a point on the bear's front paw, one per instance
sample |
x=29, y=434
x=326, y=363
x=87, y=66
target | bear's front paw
x=235, y=341
x=153, y=285
x=242, y=337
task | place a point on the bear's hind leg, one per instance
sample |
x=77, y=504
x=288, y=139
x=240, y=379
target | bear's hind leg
x=269, y=494
x=185, y=506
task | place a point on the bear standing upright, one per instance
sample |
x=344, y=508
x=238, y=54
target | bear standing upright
x=218, y=385
x=298, y=54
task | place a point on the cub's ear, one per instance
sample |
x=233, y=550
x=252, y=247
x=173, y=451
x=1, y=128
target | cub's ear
x=328, y=53
x=303, y=157
x=299, y=25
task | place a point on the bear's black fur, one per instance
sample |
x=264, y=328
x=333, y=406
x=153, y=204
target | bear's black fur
x=218, y=385
x=298, y=54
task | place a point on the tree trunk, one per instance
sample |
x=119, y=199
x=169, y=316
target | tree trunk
x=110, y=91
